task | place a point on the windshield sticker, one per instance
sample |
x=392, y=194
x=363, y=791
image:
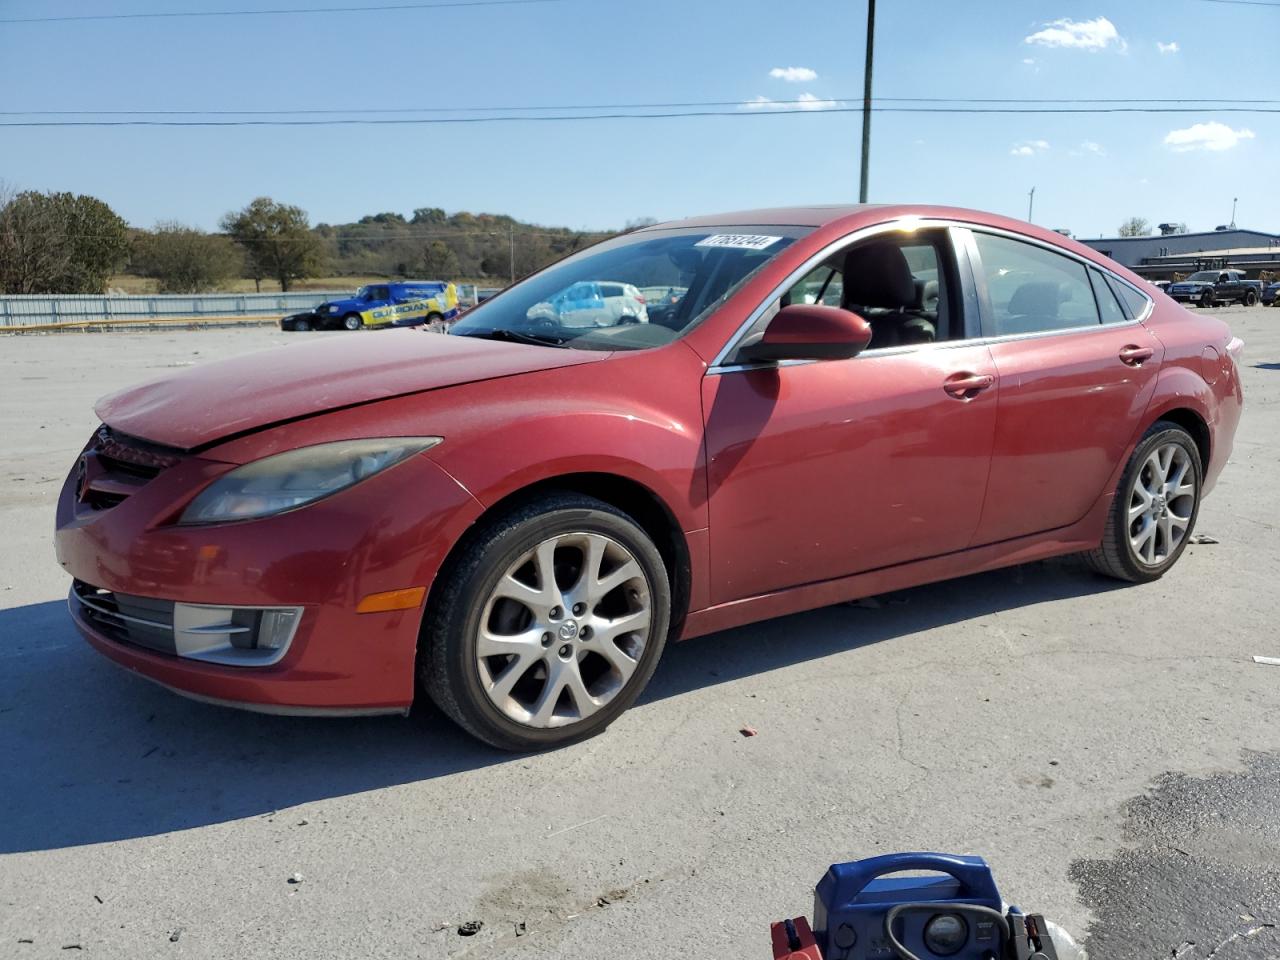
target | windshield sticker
x=738, y=241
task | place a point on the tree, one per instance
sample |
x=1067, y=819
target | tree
x=439, y=262
x=639, y=222
x=277, y=241
x=186, y=260
x=1135, y=227
x=59, y=243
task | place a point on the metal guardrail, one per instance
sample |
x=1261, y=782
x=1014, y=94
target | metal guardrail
x=42, y=310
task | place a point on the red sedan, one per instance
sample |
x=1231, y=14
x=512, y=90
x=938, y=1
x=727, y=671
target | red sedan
x=520, y=514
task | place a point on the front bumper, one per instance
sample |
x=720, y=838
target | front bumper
x=390, y=532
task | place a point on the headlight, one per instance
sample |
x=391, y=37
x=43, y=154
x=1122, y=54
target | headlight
x=331, y=308
x=289, y=480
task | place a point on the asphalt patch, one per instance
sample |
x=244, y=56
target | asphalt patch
x=1199, y=876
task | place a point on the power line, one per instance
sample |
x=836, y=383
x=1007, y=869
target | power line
x=514, y=118
x=1246, y=3
x=380, y=8
x=745, y=104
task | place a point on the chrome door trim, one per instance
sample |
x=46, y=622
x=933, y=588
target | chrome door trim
x=966, y=258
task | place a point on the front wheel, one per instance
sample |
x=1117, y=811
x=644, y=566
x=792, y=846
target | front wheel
x=1155, y=507
x=352, y=321
x=1206, y=299
x=1250, y=299
x=302, y=326
x=548, y=624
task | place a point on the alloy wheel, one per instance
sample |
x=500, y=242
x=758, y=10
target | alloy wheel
x=564, y=629
x=1162, y=502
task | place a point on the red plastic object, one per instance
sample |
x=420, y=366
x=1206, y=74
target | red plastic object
x=801, y=947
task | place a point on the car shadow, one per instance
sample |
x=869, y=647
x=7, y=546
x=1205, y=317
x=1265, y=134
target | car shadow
x=92, y=754
x=770, y=645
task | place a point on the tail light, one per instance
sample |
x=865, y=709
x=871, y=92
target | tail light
x=640, y=297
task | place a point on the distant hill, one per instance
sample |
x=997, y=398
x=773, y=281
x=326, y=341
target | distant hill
x=434, y=244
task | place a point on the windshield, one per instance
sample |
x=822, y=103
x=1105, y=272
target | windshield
x=636, y=291
x=1209, y=276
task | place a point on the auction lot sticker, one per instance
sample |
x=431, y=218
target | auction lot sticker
x=738, y=241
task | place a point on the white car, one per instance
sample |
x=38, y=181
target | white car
x=593, y=303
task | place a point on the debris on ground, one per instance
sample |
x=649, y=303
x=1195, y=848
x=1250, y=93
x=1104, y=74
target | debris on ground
x=521, y=928
x=470, y=928
x=1204, y=538
x=748, y=731
x=175, y=934
x=98, y=898
x=303, y=822
x=73, y=946
x=295, y=878
x=26, y=940
x=1273, y=661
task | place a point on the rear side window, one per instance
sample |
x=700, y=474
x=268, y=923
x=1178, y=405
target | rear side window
x=1032, y=289
x=1135, y=303
x=610, y=290
x=1108, y=305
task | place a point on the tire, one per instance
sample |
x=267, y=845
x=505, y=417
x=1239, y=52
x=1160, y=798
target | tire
x=1121, y=553
x=352, y=321
x=1206, y=300
x=302, y=326
x=1250, y=298
x=434, y=317
x=627, y=319
x=540, y=709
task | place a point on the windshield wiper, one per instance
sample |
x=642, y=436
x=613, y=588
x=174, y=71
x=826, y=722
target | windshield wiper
x=515, y=336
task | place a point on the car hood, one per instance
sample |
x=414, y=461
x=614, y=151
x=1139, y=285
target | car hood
x=227, y=397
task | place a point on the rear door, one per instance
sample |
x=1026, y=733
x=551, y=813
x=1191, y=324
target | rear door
x=1076, y=373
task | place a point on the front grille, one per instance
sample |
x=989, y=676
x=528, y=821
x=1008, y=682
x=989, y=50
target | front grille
x=116, y=466
x=140, y=621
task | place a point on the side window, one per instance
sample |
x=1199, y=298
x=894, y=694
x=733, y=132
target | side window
x=900, y=284
x=610, y=290
x=823, y=285
x=380, y=293
x=1108, y=305
x=1033, y=290
x=1135, y=303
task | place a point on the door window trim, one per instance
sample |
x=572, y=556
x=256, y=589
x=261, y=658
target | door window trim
x=974, y=300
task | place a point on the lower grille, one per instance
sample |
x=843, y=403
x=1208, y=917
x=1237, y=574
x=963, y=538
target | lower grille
x=141, y=621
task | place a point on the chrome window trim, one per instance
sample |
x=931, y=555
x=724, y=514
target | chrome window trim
x=718, y=366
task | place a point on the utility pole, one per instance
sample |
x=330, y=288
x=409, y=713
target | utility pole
x=1031, y=203
x=513, y=253
x=866, y=100
x=1234, y=201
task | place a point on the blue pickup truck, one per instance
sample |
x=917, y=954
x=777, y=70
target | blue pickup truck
x=404, y=303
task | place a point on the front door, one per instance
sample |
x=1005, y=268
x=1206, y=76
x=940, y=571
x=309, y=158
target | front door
x=824, y=469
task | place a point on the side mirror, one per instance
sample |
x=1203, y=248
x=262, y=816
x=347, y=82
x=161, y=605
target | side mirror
x=809, y=332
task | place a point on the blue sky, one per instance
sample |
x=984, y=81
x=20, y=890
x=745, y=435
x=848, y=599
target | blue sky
x=1090, y=172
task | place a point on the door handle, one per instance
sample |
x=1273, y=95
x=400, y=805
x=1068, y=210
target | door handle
x=966, y=386
x=1133, y=355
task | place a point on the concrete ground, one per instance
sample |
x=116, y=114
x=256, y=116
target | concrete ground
x=1112, y=750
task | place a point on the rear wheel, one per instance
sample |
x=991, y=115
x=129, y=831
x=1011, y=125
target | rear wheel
x=352, y=321
x=1155, y=507
x=548, y=624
